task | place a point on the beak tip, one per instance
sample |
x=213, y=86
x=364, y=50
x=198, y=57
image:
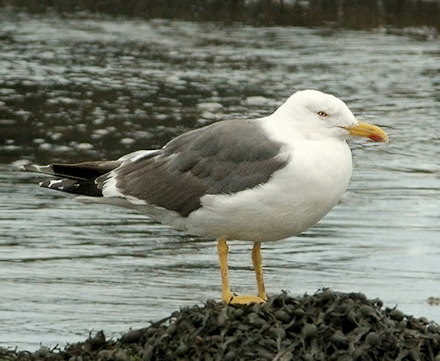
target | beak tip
x=370, y=131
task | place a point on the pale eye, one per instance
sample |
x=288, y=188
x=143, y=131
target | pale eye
x=322, y=114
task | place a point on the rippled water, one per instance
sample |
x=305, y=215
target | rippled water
x=83, y=88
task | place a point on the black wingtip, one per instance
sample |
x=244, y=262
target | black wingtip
x=83, y=187
x=65, y=185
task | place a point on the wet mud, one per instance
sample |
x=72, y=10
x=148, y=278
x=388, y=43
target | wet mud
x=324, y=326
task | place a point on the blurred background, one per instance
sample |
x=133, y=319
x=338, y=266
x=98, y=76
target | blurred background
x=90, y=80
x=354, y=14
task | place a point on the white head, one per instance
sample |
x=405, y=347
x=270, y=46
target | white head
x=315, y=112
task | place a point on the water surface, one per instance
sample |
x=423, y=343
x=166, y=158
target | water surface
x=92, y=88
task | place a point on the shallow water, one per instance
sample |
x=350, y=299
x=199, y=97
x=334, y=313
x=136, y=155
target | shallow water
x=91, y=88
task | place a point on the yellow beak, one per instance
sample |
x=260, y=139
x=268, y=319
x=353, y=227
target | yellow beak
x=370, y=131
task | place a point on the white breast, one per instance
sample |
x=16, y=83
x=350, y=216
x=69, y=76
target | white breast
x=295, y=198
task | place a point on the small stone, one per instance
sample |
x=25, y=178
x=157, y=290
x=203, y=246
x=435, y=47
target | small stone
x=43, y=352
x=352, y=316
x=299, y=312
x=287, y=356
x=172, y=329
x=309, y=330
x=396, y=315
x=339, y=339
x=148, y=353
x=308, y=357
x=367, y=310
x=414, y=355
x=238, y=312
x=402, y=324
x=361, y=296
x=255, y=320
x=97, y=341
x=278, y=332
x=282, y=316
x=132, y=336
x=230, y=356
x=182, y=350
x=327, y=295
x=104, y=355
x=222, y=319
x=372, y=339
x=120, y=355
x=151, y=331
x=434, y=328
x=378, y=302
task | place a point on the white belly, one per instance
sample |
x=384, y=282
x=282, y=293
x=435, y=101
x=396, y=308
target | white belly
x=295, y=198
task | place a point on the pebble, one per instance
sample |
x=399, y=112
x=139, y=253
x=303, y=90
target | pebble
x=339, y=339
x=182, y=349
x=133, y=336
x=396, y=315
x=282, y=316
x=372, y=339
x=309, y=330
x=230, y=356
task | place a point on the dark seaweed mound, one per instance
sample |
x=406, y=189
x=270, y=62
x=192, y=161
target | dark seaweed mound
x=325, y=326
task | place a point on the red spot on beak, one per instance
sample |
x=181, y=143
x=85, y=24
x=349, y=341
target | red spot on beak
x=375, y=137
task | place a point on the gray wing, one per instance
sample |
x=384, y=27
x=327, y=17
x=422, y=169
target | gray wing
x=223, y=158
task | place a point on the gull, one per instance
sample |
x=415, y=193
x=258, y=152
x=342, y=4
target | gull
x=257, y=180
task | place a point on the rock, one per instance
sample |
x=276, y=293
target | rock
x=325, y=326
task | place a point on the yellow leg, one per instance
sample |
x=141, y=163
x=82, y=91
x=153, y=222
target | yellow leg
x=227, y=295
x=223, y=249
x=258, y=267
